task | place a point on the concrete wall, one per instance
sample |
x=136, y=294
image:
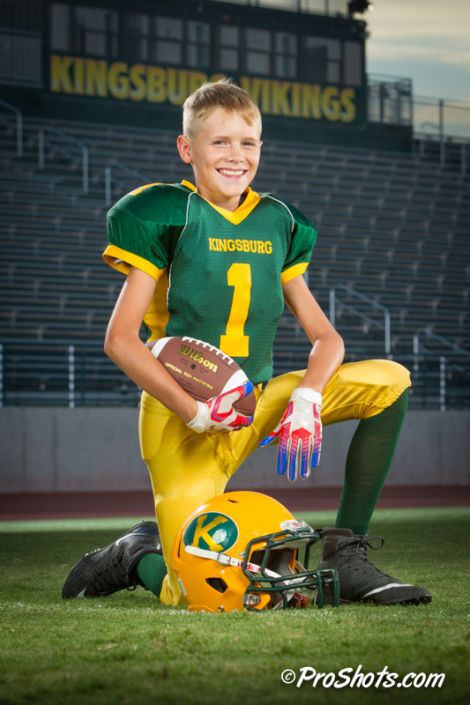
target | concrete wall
x=97, y=449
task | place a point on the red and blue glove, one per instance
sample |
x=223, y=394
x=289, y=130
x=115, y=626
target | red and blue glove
x=300, y=435
x=218, y=414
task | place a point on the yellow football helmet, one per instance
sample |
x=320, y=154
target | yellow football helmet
x=241, y=551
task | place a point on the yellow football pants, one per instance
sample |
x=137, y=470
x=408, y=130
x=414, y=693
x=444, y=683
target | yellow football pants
x=187, y=468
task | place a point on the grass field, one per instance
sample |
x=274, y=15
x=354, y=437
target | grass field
x=127, y=649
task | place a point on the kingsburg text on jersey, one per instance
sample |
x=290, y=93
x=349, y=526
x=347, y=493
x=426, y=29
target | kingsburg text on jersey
x=219, y=273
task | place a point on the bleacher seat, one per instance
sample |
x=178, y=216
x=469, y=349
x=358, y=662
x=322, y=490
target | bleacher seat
x=390, y=226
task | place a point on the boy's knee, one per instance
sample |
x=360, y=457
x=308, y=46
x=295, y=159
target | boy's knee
x=396, y=374
x=363, y=389
x=389, y=379
x=377, y=373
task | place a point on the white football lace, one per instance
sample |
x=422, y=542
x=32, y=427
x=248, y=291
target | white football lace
x=210, y=347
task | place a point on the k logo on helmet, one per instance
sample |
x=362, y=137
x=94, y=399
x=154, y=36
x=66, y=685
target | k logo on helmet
x=211, y=531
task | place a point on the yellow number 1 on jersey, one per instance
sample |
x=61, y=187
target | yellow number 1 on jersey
x=235, y=342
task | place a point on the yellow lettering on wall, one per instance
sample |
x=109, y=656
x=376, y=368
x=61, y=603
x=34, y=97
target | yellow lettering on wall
x=347, y=103
x=259, y=89
x=60, y=74
x=156, y=84
x=265, y=103
x=95, y=83
x=330, y=104
x=137, y=82
x=196, y=79
x=311, y=101
x=280, y=105
x=177, y=86
x=118, y=80
x=79, y=76
x=295, y=99
x=252, y=87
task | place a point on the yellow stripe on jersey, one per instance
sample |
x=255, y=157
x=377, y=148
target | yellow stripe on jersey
x=293, y=272
x=122, y=260
x=139, y=189
x=157, y=316
x=239, y=214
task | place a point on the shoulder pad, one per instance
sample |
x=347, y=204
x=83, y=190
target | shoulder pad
x=155, y=202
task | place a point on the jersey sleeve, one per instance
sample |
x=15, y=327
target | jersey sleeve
x=303, y=240
x=140, y=232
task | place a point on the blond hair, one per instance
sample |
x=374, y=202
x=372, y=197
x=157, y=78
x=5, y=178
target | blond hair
x=220, y=94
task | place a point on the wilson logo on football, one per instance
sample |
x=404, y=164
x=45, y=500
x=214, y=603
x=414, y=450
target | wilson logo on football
x=197, y=357
x=212, y=532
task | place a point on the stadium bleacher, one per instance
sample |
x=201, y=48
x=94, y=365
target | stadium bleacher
x=393, y=227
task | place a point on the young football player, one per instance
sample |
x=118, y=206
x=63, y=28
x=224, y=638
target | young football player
x=217, y=261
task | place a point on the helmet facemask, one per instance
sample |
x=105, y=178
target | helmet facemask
x=273, y=568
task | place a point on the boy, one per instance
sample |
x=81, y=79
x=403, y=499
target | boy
x=217, y=261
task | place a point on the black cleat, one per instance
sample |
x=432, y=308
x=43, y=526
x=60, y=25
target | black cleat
x=106, y=570
x=360, y=581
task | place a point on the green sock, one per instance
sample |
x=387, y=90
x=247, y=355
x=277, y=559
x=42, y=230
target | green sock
x=151, y=569
x=368, y=462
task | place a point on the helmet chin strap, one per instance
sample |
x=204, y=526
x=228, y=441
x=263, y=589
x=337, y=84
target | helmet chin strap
x=225, y=559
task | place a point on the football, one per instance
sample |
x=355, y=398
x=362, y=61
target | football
x=201, y=369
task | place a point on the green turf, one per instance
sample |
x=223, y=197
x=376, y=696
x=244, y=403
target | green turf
x=127, y=649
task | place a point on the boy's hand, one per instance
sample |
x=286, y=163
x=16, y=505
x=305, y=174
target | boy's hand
x=300, y=435
x=218, y=413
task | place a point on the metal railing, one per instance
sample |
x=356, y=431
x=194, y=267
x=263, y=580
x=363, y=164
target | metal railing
x=439, y=381
x=111, y=179
x=442, y=342
x=43, y=373
x=323, y=7
x=46, y=135
x=453, y=359
x=8, y=107
x=334, y=299
x=441, y=117
x=390, y=99
x=441, y=128
x=446, y=150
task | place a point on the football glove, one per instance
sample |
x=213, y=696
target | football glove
x=300, y=435
x=218, y=413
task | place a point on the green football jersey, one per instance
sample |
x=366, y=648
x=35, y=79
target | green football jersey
x=219, y=273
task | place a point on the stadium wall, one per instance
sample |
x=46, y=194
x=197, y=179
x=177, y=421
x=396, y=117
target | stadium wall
x=89, y=449
x=306, y=70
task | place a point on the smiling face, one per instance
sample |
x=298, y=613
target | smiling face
x=224, y=153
